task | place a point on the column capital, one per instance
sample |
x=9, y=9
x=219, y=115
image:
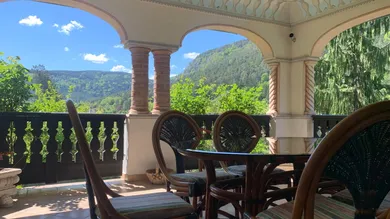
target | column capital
x=151, y=45
x=138, y=50
x=269, y=61
x=161, y=52
x=310, y=63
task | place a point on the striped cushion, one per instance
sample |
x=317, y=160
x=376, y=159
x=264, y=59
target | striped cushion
x=158, y=205
x=346, y=197
x=324, y=208
x=198, y=180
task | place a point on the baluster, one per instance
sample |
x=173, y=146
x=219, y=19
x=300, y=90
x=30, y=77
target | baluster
x=102, y=139
x=59, y=139
x=108, y=144
x=88, y=134
x=324, y=126
x=95, y=124
x=44, y=138
x=120, y=144
x=20, y=158
x=67, y=143
x=7, y=142
x=317, y=128
x=52, y=149
x=73, y=151
x=36, y=167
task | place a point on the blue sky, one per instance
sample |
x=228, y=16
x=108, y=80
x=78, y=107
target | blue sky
x=63, y=38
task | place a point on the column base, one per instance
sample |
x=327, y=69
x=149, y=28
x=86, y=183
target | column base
x=158, y=111
x=138, y=112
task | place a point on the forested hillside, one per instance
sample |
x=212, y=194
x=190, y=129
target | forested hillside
x=238, y=63
x=108, y=92
x=91, y=85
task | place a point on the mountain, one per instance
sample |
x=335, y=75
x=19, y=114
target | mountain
x=92, y=85
x=240, y=62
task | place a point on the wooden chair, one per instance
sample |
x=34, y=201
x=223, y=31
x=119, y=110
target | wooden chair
x=158, y=205
x=180, y=131
x=237, y=132
x=357, y=153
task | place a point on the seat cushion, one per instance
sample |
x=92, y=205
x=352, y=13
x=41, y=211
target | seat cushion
x=157, y=205
x=346, y=197
x=198, y=180
x=241, y=169
x=324, y=208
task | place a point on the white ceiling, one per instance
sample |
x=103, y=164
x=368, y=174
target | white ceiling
x=287, y=12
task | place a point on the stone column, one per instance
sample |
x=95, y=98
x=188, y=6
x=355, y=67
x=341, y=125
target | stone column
x=140, y=80
x=309, y=87
x=273, y=89
x=162, y=100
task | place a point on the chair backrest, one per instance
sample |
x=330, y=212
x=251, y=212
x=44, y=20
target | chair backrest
x=235, y=131
x=91, y=171
x=357, y=153
x=178, y=130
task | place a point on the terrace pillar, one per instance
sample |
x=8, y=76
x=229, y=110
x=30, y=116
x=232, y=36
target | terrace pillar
x=140, y=80
x=291, y=105
x=162, y=84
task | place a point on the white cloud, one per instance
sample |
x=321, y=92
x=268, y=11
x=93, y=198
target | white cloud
x=191, y=55
x=173, y=75
x=31, y=20
x=151, y=78
x=55, y=25
x=66, y=49
x=98, y=59
x=173, y=67
x=121, y=68
x=72, y=25
x=119, y=46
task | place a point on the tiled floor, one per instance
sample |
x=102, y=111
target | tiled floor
x=69, y=200
x=65, y=200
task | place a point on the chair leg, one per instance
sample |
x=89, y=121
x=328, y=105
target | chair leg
x=194, y=202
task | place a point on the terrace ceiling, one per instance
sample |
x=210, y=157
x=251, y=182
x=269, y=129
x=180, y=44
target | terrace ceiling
x=285, y=12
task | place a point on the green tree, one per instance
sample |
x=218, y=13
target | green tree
x=352, y=71
x=14, y=85
x=191, y=98
x=40, y=76
x=232, y=97
x=50, y=100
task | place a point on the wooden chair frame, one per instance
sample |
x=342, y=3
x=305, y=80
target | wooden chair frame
x=182, y=187
x=94, y=183
x=99, y=188
x=333, y=141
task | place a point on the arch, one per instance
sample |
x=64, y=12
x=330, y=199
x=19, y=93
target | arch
x=262, y=44
x=88, y=7
x=325, y=38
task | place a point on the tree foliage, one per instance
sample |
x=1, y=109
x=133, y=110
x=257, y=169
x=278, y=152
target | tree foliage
x=40, y=76
x=191, y=98
x=14, y=85
x=247, y=99
x=352, y=72
x=50, y=100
